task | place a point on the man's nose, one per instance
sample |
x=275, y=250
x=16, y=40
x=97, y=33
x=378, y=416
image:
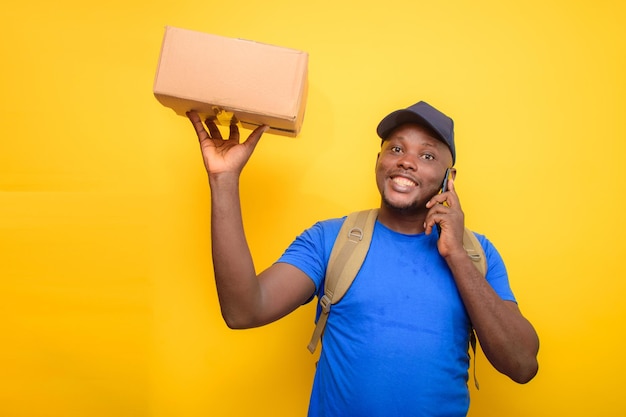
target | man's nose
x=408, y=162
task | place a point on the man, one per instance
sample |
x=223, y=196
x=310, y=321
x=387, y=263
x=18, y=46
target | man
x=397, y=343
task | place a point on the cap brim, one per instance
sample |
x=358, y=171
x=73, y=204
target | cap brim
x=400, y=117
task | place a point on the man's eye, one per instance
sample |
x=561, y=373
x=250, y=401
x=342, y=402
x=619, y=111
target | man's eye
x=428, y=157
x=395, y=149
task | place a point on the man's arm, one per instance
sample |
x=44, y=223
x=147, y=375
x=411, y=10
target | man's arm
x=246, y=300
x=507, y=338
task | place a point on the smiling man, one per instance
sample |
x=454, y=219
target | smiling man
x=397, y=343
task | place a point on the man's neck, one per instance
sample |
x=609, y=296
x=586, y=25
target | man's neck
x=402, y=221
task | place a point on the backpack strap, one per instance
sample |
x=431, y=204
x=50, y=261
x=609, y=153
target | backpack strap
x=346, y=258
x=476, y=253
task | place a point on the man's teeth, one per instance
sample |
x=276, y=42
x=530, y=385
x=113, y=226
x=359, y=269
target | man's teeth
x=403, y=181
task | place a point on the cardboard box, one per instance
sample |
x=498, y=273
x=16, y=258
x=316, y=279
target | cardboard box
x=220, y=77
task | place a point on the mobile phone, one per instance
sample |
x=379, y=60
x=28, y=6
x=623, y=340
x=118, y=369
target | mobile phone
x=444, y=186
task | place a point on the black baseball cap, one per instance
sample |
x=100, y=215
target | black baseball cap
x=424, y=114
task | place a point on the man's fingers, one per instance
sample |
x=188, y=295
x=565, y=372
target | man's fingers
x=213, y=130
x=437, y=199
x=451, y=183
x=451, y=199
x=234, y=132
x=197, y=125
x=258, y=132
x=255, y=136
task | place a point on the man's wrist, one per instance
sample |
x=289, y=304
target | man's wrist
x=458, y=257
x=223, y=179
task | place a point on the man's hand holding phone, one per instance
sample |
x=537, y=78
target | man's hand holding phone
x=446, y=214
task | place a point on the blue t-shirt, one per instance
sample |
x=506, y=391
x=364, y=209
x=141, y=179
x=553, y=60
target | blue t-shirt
x=397, y=343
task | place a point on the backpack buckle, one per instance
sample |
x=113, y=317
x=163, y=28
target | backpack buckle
x=474, y=256
x=325, y=303
x=355, y=234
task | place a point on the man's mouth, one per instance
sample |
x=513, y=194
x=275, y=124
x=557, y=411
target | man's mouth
x=403, y=181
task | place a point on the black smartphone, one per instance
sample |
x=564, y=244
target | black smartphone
x=444, y=186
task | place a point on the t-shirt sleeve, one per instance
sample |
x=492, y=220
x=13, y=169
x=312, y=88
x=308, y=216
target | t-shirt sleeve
x=310, y=251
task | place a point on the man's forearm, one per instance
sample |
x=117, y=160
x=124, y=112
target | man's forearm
x=235, y=275
x=507, y=338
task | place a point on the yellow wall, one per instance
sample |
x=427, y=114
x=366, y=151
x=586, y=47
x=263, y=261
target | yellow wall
x=106, y=296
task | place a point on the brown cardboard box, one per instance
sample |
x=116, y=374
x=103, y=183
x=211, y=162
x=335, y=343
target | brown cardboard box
x=220, y=77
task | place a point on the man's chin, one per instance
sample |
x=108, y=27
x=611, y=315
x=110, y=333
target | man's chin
x=401, y=206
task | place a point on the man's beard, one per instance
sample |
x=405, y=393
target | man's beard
x=410, y=208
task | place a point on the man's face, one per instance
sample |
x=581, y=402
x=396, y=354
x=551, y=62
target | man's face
x=410, y=168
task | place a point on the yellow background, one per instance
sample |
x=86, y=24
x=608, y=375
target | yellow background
x=107, y=302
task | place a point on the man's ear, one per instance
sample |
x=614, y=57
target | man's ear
x=377, y=158
x=453, y=173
